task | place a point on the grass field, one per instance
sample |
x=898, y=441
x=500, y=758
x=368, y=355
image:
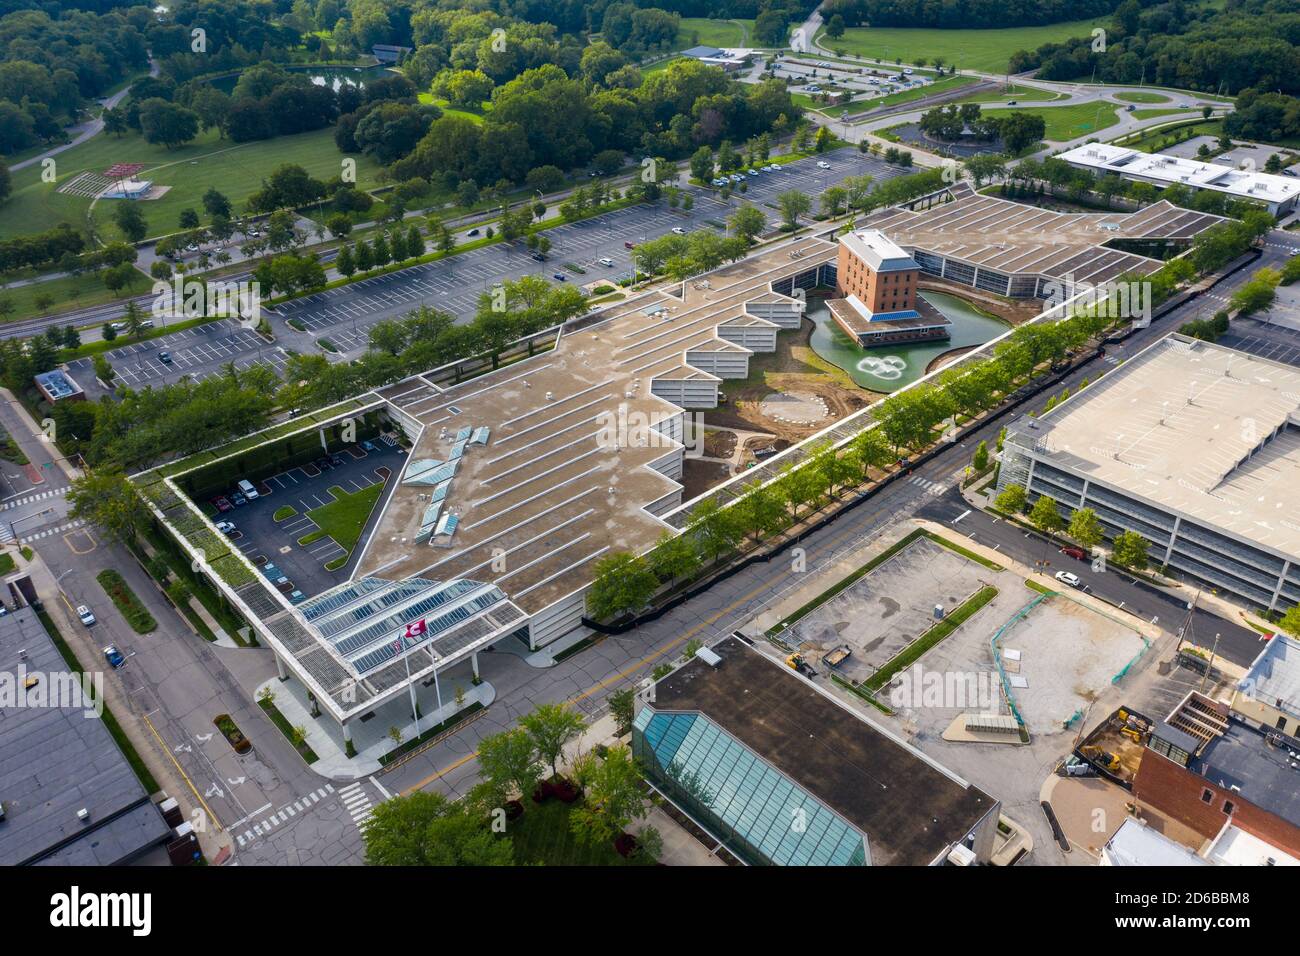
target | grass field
x=1152, y=113
x=1026, y=94
x=450, y=110
x=906, y=96
x=697, y=31
x=1140, y=97
x=78, y=292
x=1151, y=141
x=344, y=518
x=542, y=836
x=232, y=168
x=1070, y=122
x=987, y=50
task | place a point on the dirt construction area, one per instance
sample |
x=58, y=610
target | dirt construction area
x=1067, y=654
x=881, y=613
x=762, y=402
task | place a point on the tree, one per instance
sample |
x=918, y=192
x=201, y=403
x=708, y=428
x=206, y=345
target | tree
x=345, y=263
x=835, y=26
x=106, y=498
x=1291, y=621
x=1012, y=500
x=508, y=765
x=426, y=829
x=621, y=707
x=1129, y=549
x=167, y=124
x=1085, y=528
x=747, y=222
x=793, y=204
x=623, y=583
x=614, y=797
x=1044, y=515
x=189, y=219
x=702, y=164
x=130, y=220
x=980, y=461
x=552, y=727
x=986, y=167
x=1020, y=130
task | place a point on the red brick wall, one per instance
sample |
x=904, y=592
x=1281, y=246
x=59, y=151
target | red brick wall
x=855, y=277
x=1176, y=792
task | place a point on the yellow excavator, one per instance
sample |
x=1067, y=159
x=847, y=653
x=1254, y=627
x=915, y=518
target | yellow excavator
x=796, y=662
x=1103, y=759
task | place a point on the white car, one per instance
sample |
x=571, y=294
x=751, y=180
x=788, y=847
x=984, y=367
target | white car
x=86, y=614
x=679, y=230
x=1070, y=578
x=226, y=527
x=822, y=164
x=776, y=167
x=605, y=261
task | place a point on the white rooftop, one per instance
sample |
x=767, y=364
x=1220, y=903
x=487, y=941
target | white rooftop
x=1168, y=170
x=1235, y=847
x=1196, y=428
x=1136, y=844
x=878, y=251
x=1274, y=677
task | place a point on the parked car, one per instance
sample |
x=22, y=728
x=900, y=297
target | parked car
x=822, y=164
x=776, y=167
x=737, y=178
x=222, y=504
x=1129, y=109
x=605, y=261
x=1077, y=553
x=1011, y=102
x=87, y=615
x=753, y=172
x=165, y=358
x=629, y=245
x=226, y=527
x=1070, y=578
x=679, y=230
x=337, y=459
x=537, y=257
x=559, y=277
x=323, y=463
x=472, y=232
x=247, y=490
x=114, y=657
x=237, y=499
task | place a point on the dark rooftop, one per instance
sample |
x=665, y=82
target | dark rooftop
x=1243, y=760
x=908, y=807
x=55, y=761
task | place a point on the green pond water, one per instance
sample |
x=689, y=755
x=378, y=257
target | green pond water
x=333, y=76
x=887, y=368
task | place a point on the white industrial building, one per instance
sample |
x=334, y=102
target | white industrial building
x=1277, y=194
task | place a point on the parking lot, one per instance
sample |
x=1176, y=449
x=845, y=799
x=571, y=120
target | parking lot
x=345, y=315
x=303, y=489
x=198, y=352
x=1275, y=342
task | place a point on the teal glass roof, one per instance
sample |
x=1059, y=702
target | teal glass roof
x=746, y=797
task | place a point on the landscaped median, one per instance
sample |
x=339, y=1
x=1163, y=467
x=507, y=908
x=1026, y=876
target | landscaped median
x=295, y=735
x=343, y=519
x=912, y=653
x=136, y=614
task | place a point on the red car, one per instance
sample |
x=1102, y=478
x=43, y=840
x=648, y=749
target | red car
x=1077, y=553
x=222, y=504
x=629, y=245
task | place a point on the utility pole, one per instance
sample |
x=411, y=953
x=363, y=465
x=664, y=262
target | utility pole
x=1213, y=654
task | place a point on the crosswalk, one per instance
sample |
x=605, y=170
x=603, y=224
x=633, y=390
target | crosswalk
x=933, y=487
x=283, y=815
x=36, y=536
x=357, y=802
x=38, y=496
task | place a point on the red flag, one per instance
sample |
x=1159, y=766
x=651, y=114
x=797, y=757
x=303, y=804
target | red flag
x=415, y=629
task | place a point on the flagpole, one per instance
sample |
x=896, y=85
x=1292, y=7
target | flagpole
x=415, y=708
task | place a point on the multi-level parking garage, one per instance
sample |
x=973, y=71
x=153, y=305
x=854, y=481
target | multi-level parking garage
x=1194, y=446
x=1022, y=252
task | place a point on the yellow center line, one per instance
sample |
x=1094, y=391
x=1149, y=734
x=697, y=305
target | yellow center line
x=184, y=776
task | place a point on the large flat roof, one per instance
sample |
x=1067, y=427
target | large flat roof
x=549, y=493
x=1241, y=759
x=1241, y=183
x=909, y=807
x=55, y=761
x=1274, y=677
x=1196, y=428
x=1017, y=239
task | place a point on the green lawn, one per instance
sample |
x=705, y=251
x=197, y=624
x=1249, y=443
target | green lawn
x=1151, y=141
x=68, y=292
x=1069, y=122
x=542, y=836
x=1141, y=97
x=1152, y=113
x=344, y=518
x=697, y=31
x=232, y=168
x=450, y=110
x=986, y=50
x=1029, y=94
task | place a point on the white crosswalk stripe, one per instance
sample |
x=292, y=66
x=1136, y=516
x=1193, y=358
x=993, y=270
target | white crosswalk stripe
x=39, y=496
x=70, y=526
x=358, y=805
x=282, y=815
x=931, y=486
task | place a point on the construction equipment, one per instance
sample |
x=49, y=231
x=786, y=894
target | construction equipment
x=1103, y=759
x=837, y=655
x=796, y=662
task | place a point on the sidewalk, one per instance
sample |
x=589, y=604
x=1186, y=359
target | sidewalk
x=29, y=436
